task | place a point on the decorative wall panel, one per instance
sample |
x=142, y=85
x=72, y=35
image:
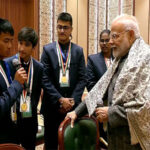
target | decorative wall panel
x=101, y=20
x=92, y=37
x=113, y=7
x=101, y=14
x=97, y=22
x=117, y=7
x=59, y=6
x=46, y=17
x=127, y=7
x=49, y=10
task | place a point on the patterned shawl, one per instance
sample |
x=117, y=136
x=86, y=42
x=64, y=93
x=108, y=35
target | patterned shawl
x=132, y=88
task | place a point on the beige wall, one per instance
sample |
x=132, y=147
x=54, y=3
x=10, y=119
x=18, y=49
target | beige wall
x=142, y=15
x=149, y=24
x=79, y=11
x=72, y=8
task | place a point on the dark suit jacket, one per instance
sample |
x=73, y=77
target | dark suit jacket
x=36, y=90
x=52, y=90
x=96, y=67
x=7, y=98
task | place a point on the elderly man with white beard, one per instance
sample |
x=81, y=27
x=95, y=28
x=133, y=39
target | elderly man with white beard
x=126, y=88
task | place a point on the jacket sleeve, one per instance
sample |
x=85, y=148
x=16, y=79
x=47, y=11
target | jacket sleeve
x=49, y=88
x=81, y=109
x=117, y=116
x=81, y=83
x=90, y=75
x=9, y=96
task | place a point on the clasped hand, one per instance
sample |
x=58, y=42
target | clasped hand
x=66, y=104
x=102, y=114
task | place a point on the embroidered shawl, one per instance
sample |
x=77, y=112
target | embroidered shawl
x=132, y=88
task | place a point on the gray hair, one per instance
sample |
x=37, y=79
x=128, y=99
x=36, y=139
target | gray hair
x=130, y=23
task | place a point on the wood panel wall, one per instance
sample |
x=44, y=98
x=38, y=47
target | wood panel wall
x=21, y=13
x=142, y=13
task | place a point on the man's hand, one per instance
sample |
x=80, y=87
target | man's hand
x=102, y=114
x=21, y=76
x=72, y=101
x=62, y=110
x=65, y=103
x=72, y=115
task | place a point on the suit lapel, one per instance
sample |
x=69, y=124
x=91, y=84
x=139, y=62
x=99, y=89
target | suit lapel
x=102, y=63
x=72, y=53
x=35, y=73
x=2, y=82
x=55, y=53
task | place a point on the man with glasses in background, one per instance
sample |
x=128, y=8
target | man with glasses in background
x=126, y=86
x=64, y=79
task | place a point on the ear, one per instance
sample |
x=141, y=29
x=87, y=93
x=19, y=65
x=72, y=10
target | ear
x=131, y=35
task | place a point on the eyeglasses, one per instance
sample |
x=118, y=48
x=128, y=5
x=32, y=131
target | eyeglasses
x=60, y=27
x=104, y=40
x=115, y=36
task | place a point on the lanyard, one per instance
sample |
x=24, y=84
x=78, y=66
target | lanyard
x=63, y=56
x=8, y=72
x=60, y=58
x=6, y=75
x=29, y=80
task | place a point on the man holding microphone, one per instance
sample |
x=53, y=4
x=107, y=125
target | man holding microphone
x=9, y=90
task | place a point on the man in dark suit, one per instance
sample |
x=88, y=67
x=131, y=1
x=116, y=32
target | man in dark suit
x=27, y=108
x=64, y=79
x=97, y=66
x=9, y=90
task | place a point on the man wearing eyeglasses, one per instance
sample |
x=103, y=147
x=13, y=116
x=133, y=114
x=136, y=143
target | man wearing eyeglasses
x=126, y=86
x=64, y=79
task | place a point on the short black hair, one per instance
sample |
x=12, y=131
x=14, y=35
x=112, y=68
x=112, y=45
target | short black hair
x=6, y=27
x=29, y=35
x=105, y=31
x=64, y=16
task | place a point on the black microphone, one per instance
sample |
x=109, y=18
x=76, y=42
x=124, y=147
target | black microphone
x=17, y=65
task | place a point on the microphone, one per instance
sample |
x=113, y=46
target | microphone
x=17, y=66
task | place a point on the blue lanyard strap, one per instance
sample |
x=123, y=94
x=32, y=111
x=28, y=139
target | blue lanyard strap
x=63, y=55
x=8, y=72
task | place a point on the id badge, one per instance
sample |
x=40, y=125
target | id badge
x=64, y=79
